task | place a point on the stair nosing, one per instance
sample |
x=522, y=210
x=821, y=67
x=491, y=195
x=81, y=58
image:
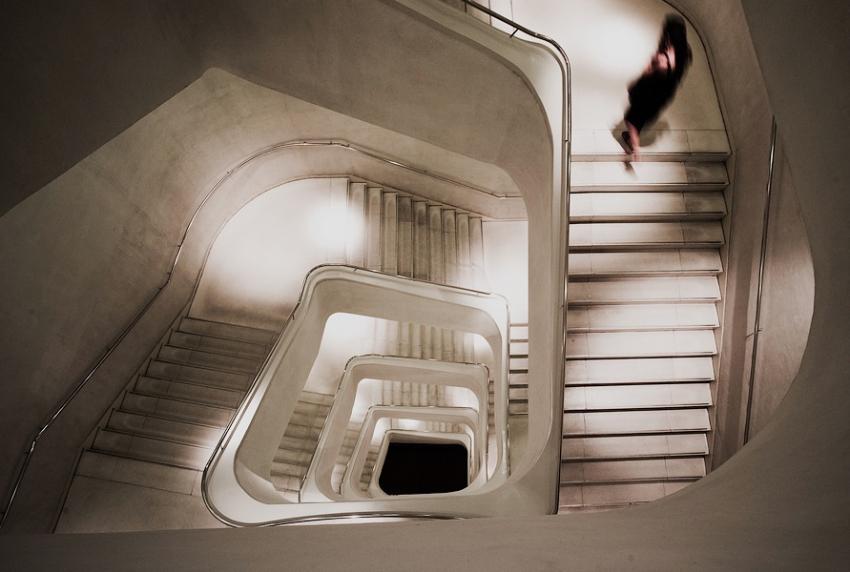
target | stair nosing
x=575, y=460
x=161, y=417
x=181, y=400
x=155, y=438
x=204, y=367
x=637, y=433
x=214, y=351
x=213, y=354
x=104, y=452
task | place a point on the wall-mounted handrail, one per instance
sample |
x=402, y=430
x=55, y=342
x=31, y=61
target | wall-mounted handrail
x=25, y=461
x=26, y=457
x=477, y=300
x=751, y=383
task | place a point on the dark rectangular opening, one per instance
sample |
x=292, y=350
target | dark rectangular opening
x=424, y=468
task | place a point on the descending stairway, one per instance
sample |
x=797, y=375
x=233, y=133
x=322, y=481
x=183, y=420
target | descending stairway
x=299, y=443
x=162, y=431
x=645, y=245
x=407, y=236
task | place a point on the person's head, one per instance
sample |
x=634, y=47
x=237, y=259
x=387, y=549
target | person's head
x=674, y=37
x=674, y=33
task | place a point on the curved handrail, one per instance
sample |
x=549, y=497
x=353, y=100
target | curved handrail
x=349, y=384
x=24, y=462
x=565, y=167
x=566, y=143
x=256, y=384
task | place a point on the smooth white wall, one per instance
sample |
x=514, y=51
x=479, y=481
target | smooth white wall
x=256, y=267
x=609, y=43
x=506, y=264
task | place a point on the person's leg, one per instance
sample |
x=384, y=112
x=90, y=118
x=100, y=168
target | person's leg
x=631, y=137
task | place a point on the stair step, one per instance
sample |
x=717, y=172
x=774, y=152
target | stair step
x=518, y=330
x=206, y=376
x=316, y=398
x=665, y=343
x=668, y=262
x=303, y=432
x=172, y=430
x=197, y=393
x=615, y=317
x=638, y=290
x=622, y=397
x=177, y=409
x=635, y=422
x=588, y=236
x=227, y=331
x=283, y=469
x=620, y=207
x=632, y=470
x=287, y=483
x=656, y=145
x=613, y=495
x=222, y=346
x=117, y=468
x=210, y=360
x=637, y=396
x=641, y=370
x=615, y=176
x=293, y=445
x=295, y=456
x=634, y=446
x=308, y=419
x=151, y=449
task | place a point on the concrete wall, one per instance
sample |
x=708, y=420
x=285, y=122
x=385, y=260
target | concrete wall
x=781, y=504
x=787, y=299
x=90, y=247
x=748, y=112
x=257, y=264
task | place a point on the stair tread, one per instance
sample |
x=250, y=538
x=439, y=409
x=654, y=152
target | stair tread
x=169, y=370
x=677, y=234
x=201, y=326
x=636, y=262
x=600, y=176
x=222, y=346
x=209, y=359
x=189, y=391
x=174, y=430
x=670, y=289
x=152, y=449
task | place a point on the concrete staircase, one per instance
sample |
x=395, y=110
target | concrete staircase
x=162, y=430
x=645, y=243
x=404, y=235
x=299, y=443
x=413, y=237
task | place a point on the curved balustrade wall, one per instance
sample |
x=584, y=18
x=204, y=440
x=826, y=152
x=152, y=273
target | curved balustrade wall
x=237, y=483
x=474, y=378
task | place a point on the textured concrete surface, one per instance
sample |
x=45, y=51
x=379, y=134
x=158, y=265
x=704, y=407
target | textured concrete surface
x=159, y=169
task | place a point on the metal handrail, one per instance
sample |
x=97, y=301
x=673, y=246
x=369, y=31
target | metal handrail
x=226, y=435
x=24, y=463
x=373, y=355
x=760, y=288
x=566, y=153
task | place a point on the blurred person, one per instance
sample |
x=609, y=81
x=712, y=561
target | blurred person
x=655, y=88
